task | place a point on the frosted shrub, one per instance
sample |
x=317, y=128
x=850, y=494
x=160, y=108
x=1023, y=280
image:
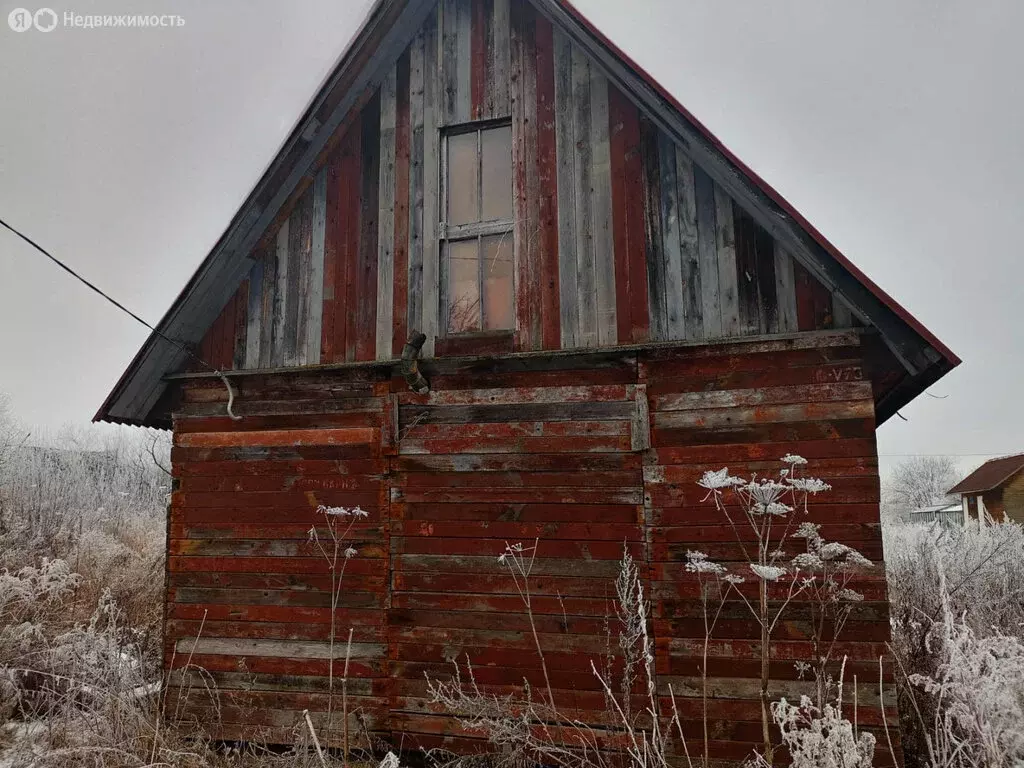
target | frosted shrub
x=978, y=698
x=822, y=738
x=957, y=608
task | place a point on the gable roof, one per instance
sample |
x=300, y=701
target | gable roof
x=990, y=475
x=389, y=26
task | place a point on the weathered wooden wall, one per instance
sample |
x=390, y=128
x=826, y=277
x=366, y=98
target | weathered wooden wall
x=1013, y=500
x=586, y=452
x=619, y=237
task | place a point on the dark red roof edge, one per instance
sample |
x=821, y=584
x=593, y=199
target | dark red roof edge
x=986, y=481
x=767, y=188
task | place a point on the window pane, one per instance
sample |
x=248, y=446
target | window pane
x=463, y=286
x=496, y=146
x=463, y=180
x=499, y=290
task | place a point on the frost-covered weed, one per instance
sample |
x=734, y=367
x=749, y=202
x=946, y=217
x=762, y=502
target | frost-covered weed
x=957, y=601
x=822, y=738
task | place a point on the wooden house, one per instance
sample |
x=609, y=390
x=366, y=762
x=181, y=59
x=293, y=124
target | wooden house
x=993, y=493
x=610, y=304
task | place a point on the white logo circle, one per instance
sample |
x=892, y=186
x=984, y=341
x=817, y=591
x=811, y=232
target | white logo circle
x=45, y=19
x=20, y=20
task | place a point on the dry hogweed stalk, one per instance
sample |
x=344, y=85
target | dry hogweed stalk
x=763, y=515
x=336, y=550
x=715, y=585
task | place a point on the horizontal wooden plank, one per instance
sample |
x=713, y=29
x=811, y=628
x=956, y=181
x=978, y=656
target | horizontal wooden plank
x=277, y=437
x=582, y=550
x=766, y=433
x=315, y=420
x=267, y=547
x=269, y=564
x=519, y=412
x=556, y=495
x=507, y=395
x=283, y=649
x=305, y=598
x=357, y=618
x=279, y=467
x=514, y=429
x=806, y=393
x=614, y=444
x=540, y=462
x=271, y=481
x=526, y=479
x=763, y=414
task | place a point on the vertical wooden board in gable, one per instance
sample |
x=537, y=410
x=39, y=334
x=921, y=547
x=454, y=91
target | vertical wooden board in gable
x=447, y=64
x=267, y=302
x=727, y=276
x=746, y=271
x=386, y=216
x=813, y=301
x=431, y=202
x=785, y=291
x=241, y=326
x=314, y=320
x=707, y=253
x=524, y=179
x=631, y=314
x=226, y=336
x=414, y=311
x=767, y=297
x=292, y=301
x=369, y=212
x=498, y=87
x=618, y=114
x=331, y=347
x=693, y=324
x=455, y=21
x=305, y=262
x=254, y=319
x=403, y=142
x=601, y=201
x=479, y=60
x=547, y=181
x=585, y=266
x=208, y=345
x=565, y=173
x=277, y=351
x=842, y=317
x=347, y=316
x=463, y=61
x=653, y=243
x=520, y=194
x=671, y=249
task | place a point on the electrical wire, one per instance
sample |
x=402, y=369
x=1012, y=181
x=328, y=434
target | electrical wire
x=123, y=308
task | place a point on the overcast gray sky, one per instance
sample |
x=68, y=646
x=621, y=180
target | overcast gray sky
x=895, y=127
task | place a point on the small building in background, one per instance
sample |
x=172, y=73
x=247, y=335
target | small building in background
x=948, y=515
x=994, y=492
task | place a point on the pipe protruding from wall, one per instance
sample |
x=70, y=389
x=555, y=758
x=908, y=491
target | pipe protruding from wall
x=410, y=364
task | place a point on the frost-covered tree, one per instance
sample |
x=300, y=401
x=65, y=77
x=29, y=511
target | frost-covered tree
x=918, y=481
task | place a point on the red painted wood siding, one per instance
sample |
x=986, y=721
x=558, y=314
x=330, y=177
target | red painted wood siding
x=548, y=449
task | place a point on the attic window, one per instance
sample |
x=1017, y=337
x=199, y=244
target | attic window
x=477, y=276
